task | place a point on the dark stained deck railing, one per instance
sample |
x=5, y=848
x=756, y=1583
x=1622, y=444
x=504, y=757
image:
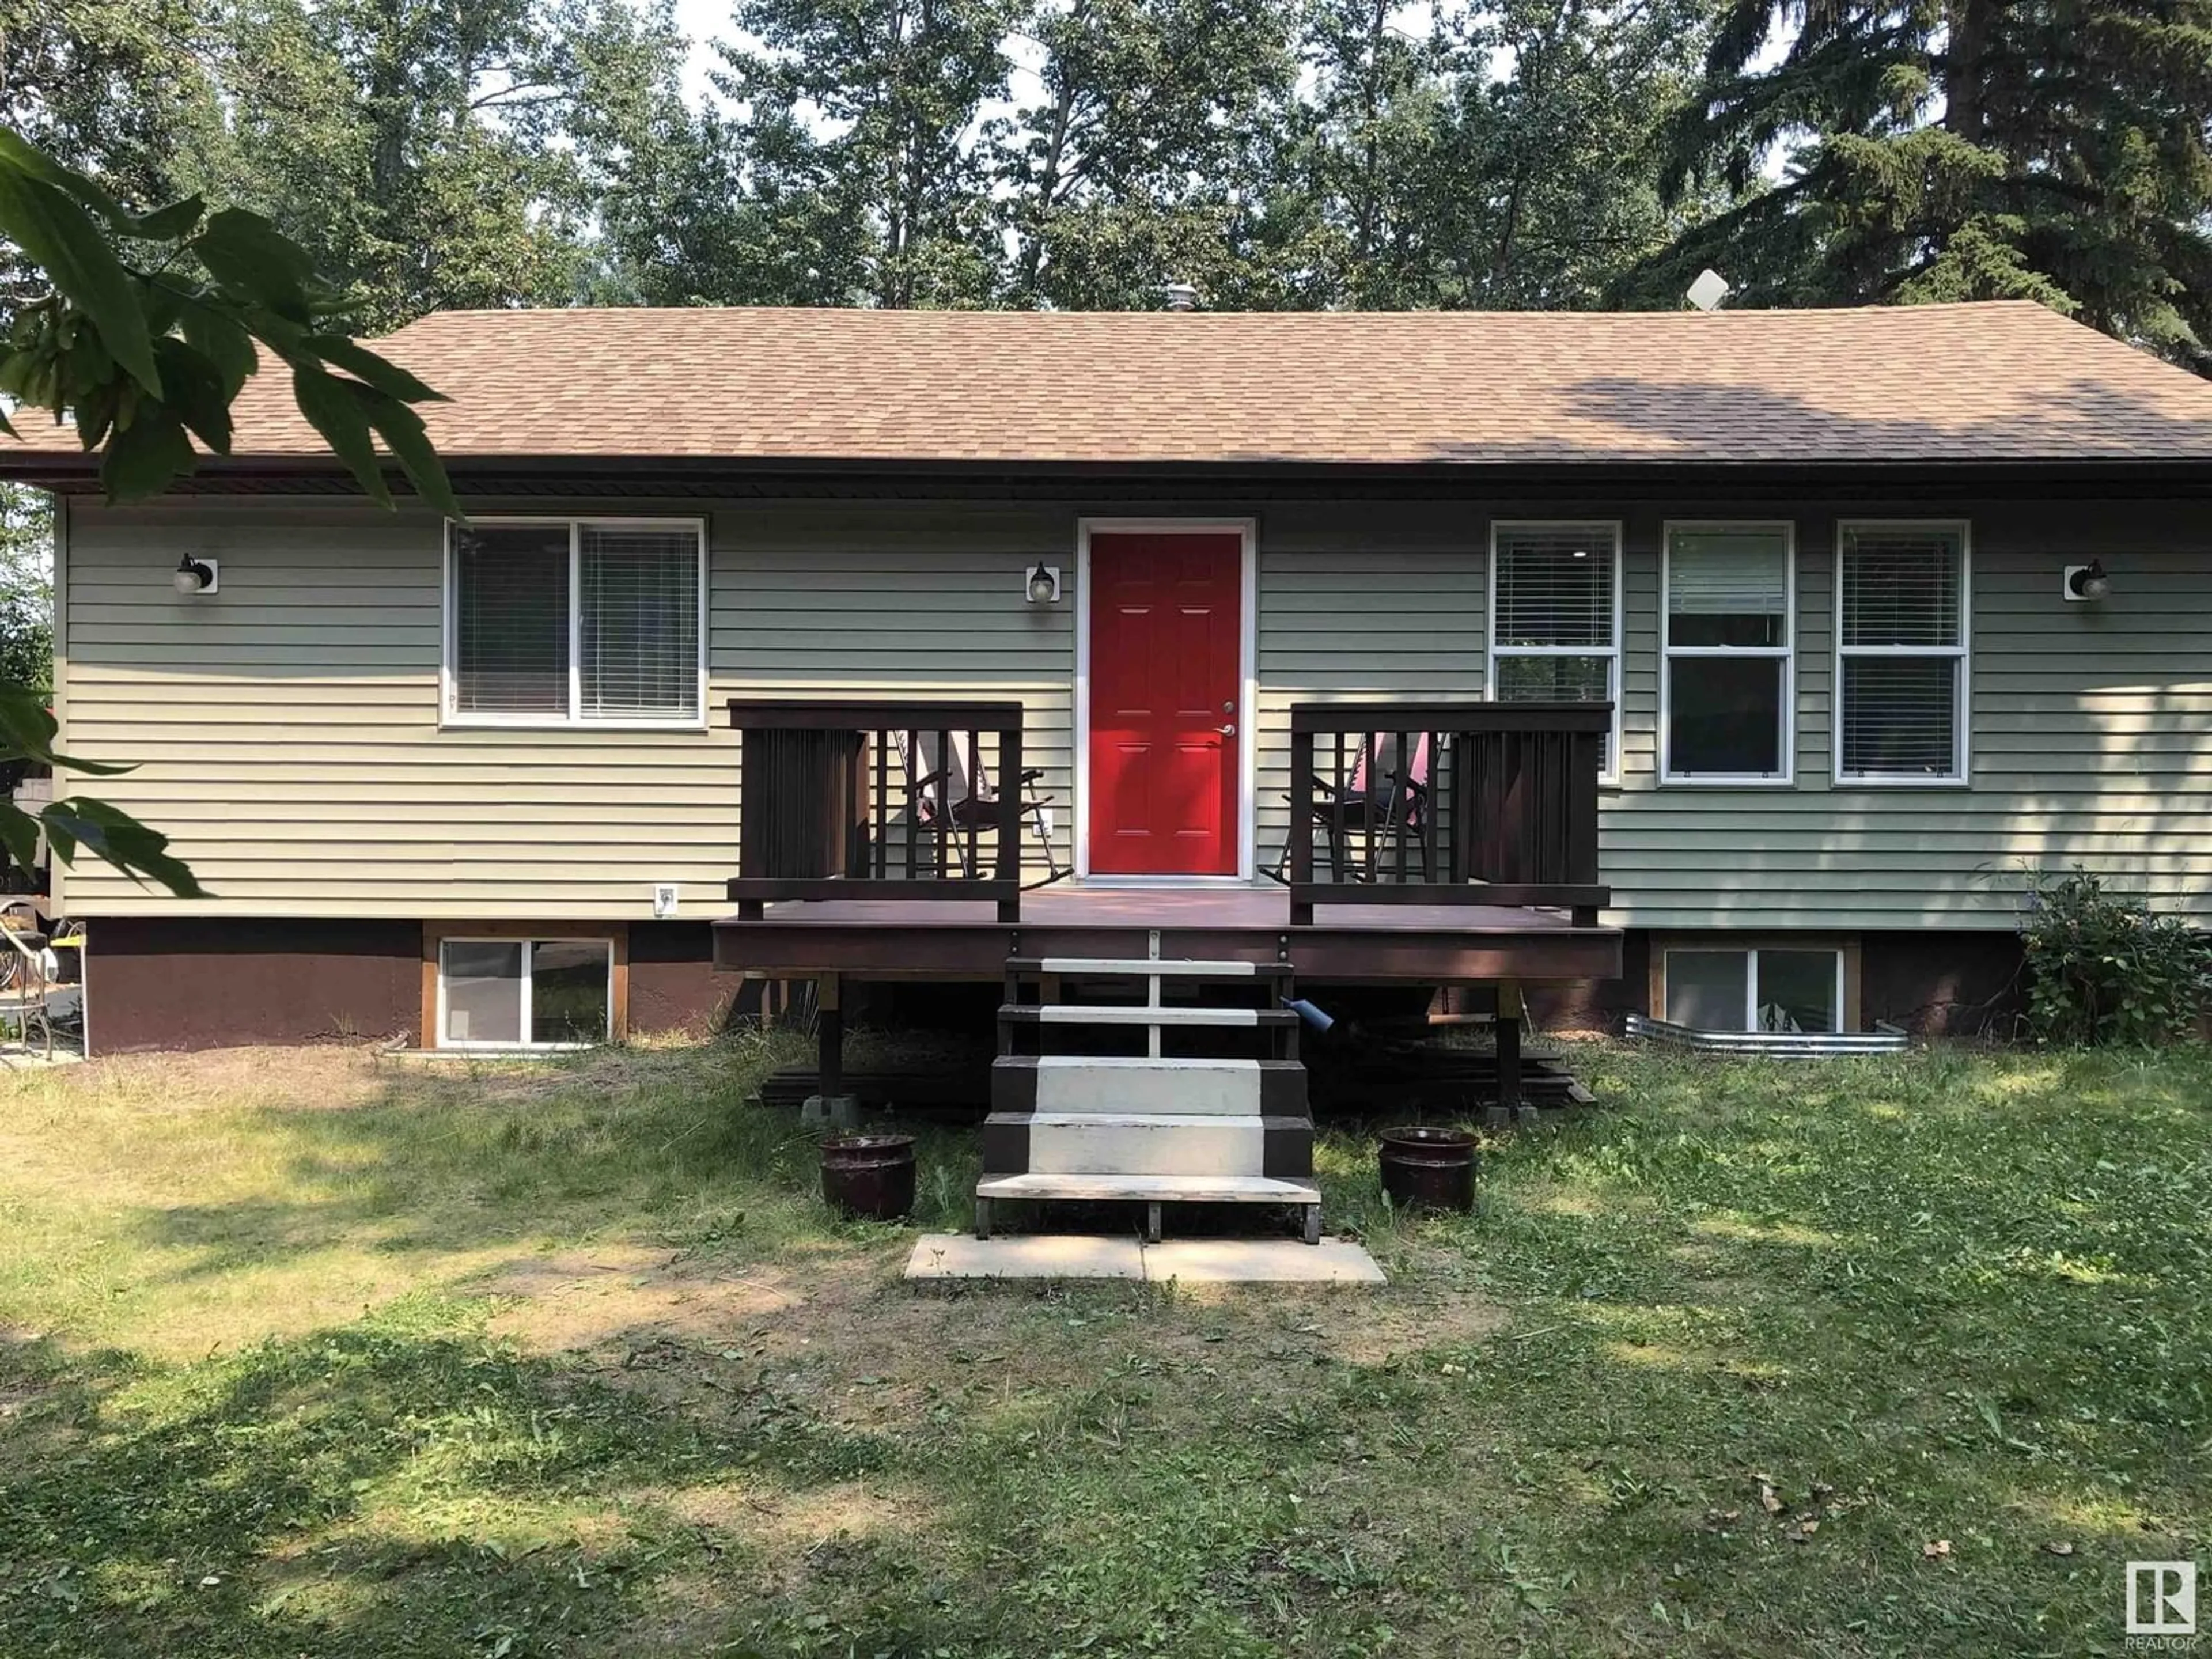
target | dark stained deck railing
x=1447, y=803
x=833, y=807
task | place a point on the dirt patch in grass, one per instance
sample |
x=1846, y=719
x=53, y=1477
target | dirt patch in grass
x=587, y=1300
x=787, y=1523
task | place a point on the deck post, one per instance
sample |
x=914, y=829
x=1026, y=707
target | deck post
x=1508, y=1030
x=831, y=1106
x=1011, y=795
x=1302, y=825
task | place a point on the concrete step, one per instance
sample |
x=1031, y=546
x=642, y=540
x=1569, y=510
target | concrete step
x=1148, y=1144
x=1120, y=1083
x=1115, y=1014
x=1176, y=1188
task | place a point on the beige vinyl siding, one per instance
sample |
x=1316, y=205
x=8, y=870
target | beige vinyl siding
x=289, y=736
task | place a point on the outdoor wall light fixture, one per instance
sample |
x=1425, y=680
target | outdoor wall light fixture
x=194, y=576
x=2088, y=583
x=1044, y=584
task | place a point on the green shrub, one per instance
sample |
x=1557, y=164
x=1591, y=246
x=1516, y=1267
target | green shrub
x=2102, y=968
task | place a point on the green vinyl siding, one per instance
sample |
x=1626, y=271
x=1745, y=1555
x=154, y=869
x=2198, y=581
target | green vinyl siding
x=1359, y=603
x=288, y=735
x=2088, y=737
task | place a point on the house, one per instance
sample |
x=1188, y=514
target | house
x=1847, y=614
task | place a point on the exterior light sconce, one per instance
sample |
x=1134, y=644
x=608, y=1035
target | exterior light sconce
x=2088, y=584
x=194, y=577
x=1043, y=584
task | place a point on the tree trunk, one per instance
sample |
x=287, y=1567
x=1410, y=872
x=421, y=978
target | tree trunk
x=1370, y=102
x=1963, y=70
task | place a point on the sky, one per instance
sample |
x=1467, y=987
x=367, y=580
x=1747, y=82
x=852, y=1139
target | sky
x=703, y=22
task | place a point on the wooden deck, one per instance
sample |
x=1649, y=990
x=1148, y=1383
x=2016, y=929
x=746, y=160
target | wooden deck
x=1348, y=944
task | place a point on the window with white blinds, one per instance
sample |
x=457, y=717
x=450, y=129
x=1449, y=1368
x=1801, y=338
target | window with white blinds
x=637, y=640
x=1901, y=645
x=1725, y=686
x=1555, y=616
x=574, y=621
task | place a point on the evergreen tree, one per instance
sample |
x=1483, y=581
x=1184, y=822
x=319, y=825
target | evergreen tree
x=1503, y=161
x=1953, y=150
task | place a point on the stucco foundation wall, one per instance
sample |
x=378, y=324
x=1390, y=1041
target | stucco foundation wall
x=154, y=983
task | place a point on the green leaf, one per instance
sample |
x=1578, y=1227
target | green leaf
x=19, y=835
x=27, y=725
x=54, y=232
x=111, y=835
x=196, y=392
x=371, y=369
x=27, y=730
x=26, y=158
x=220, y=337
x=171, y=223
x=335, y=409
x=143, y=459
x=401, y=428
x=248, y=256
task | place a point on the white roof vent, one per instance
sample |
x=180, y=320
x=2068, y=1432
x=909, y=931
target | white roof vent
x=1181, y=296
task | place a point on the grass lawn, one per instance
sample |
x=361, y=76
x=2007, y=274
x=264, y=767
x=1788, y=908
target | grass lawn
x=304, y=1353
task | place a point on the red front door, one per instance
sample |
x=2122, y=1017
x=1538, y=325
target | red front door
x=1165, y=611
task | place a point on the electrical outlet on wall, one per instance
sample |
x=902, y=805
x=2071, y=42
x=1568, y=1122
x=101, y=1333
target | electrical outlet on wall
x=664, y=898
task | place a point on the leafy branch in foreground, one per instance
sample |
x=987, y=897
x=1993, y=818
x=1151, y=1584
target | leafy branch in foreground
x=146, y=334
x=151, y=327
x=78, y=823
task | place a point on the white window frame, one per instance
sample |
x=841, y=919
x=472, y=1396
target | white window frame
x=1750, y=952
x=1611, y=776
x=573, y=719
x=528, y=943
x=1787, y=651
x=1961, y=773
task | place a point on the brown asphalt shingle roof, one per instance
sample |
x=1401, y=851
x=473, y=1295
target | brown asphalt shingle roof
x=2002, y=381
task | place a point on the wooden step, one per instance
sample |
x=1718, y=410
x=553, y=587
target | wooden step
x=1122, y=1083
x=1175, y=1188
x=1122, y=1014
x=1146, y=968
x=1147, y=1143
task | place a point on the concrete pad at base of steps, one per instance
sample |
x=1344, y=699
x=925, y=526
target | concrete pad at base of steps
x=1188, y=1261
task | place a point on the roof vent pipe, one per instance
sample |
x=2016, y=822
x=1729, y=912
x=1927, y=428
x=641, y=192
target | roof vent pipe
x=1181, y=296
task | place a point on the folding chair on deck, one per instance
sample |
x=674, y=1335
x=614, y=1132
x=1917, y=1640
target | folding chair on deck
x=949, y=794
x=1379, y=806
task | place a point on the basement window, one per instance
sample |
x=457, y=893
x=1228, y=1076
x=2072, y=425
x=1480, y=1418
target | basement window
x=1786, y=989
x=575, y=622
x=524, y=993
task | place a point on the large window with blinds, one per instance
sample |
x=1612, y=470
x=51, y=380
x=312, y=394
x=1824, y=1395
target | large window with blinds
x=575, y=622
x=1725, y=694
x=1902, y=603
x=1555, y=616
